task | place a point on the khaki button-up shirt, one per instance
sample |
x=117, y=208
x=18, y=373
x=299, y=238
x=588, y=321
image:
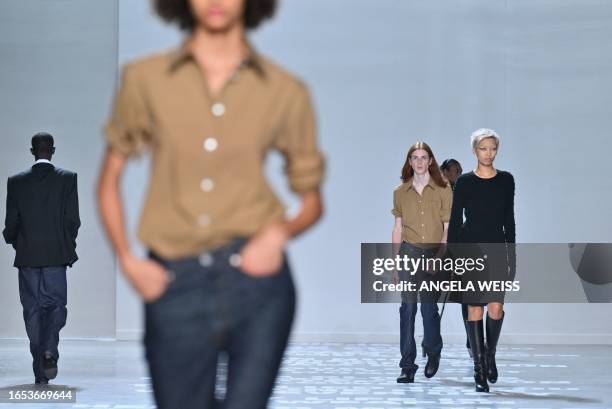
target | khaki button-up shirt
x=423, y=216
x=207, y=184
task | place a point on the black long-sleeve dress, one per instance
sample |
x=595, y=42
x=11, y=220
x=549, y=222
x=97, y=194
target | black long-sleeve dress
x=488, y=205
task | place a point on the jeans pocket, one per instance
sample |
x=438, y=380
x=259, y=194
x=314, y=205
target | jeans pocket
x=170, y=285
x=280, y=271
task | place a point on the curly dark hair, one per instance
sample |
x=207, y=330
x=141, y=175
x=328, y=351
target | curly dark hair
x=178, y=11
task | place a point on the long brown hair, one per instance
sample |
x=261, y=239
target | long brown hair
x=434, y=169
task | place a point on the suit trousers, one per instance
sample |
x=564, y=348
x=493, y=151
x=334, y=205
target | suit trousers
x=42, y=291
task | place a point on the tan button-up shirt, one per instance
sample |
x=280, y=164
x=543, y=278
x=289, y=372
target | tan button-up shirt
x=423, y=216
x=207, y=184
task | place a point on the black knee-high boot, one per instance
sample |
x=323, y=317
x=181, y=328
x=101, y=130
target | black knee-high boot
x=476, y=336
x=464, y=313
x=493, y=331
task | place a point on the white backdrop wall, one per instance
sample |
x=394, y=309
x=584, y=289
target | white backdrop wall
x=57, y=70
x=385, y=76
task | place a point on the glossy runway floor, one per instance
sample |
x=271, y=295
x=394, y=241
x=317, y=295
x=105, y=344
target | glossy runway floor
x=110, y=374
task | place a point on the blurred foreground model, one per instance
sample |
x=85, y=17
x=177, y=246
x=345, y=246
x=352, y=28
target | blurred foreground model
x=216, y=279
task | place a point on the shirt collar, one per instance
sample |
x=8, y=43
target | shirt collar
x=183, y=54
x=42, y=161
x=431, y=184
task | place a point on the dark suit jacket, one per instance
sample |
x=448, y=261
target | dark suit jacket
x=42, y=216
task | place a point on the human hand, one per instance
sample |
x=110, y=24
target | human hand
x=148, y=277
x=263, y=254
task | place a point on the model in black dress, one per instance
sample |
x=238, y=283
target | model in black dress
x=486, y=197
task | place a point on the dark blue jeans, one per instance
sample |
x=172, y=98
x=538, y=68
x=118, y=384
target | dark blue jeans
x=42, y=291
x=212, y=306
x=432, y=340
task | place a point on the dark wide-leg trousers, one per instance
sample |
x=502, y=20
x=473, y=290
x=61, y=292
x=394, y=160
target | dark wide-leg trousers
x=42, y=291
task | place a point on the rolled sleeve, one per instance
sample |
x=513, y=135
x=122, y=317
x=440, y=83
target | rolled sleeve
x=396, y=210
x=297, y=142
x=128, y=129
x=447, y=203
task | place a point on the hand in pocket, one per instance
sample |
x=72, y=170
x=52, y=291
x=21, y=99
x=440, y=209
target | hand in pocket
x=263, y=254
x=148, y=277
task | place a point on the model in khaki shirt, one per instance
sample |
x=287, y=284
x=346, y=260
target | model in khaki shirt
x=209, y=111
x=421, y=206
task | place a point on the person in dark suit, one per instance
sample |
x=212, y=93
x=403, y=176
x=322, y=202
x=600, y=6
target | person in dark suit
x=42, y=222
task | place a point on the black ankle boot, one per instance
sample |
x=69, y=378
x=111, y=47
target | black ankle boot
x=407, y=375
x=433, y=363
x=476, y=336
x=493, y=330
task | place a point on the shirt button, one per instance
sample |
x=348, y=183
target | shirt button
x=218, y=109
x=422, y=212
x=206, y=259
x=235, y=260
x=204, y=220
x=207, y=185
x=210, y=144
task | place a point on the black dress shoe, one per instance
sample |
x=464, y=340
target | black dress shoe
x=49, y=366
x=41, y=381
x=407, y=375
x=433, y=362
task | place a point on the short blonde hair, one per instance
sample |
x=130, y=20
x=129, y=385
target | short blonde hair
x=481, y=134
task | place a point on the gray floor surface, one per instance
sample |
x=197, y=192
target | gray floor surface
x=107, y=374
